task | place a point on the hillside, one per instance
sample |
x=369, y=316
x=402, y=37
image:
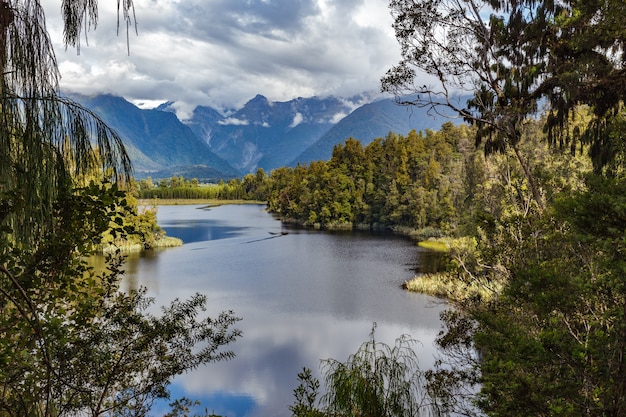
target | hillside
x=369, y=122
x=156, y=140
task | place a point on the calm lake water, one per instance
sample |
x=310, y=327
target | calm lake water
x=303, y=296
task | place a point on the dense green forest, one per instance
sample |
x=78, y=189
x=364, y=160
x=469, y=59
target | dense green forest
x=434, y=183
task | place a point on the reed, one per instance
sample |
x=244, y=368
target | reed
x=444, y=285
x=437, y=245
x=127, y=247
x=134, y=247
x=167, y=242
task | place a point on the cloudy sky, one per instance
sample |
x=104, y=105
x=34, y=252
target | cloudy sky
x=223, y=52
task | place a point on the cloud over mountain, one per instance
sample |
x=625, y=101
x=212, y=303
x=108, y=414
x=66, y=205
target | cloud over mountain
x=222, y=52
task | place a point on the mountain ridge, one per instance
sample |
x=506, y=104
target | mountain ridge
x=265, y=134
x=260, y=134
x=383, y=116
x=156, y=140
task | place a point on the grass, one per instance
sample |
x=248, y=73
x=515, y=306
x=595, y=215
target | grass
x=437, y=245
x=107, y=248
x=168, y=242
x=463, y=279
x=442, y=285
x=128, y=247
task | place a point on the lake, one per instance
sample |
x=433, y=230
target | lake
x=303, y=296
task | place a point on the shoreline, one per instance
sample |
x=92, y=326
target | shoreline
x=209, y=202
x=162, y=242
x=168, y=241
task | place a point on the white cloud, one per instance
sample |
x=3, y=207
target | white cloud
x=337, y=117
x=234, y=121
x=297, y=119
x=147, y=104
x=224, y=52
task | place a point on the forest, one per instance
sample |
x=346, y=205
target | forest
x=529, y=192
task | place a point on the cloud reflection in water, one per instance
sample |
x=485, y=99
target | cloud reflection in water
x=303, y=297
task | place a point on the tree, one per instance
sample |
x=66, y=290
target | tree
x=585, y=66
x=72, y=343
x=378, y=380
x=559, y=325
x=509, y=56
x=550, y=340
x=41, y=131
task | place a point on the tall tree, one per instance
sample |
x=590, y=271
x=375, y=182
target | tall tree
x=41, y=131
x=586, y=65
x=510, y=57
x=72, y=343
x=552, y=342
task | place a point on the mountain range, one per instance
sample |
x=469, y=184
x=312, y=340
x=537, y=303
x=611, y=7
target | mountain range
x=211, y=145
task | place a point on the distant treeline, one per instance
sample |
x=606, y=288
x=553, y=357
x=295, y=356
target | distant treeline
x=416, y=181
x=251, y=187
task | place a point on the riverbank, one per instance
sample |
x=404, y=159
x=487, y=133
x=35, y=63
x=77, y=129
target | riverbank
x=451, y=287
x=160, y=243
x=418, y=235
x=455, y=283
x=209, y=202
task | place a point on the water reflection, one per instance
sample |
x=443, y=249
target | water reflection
x=430, y=261
x=303, y=296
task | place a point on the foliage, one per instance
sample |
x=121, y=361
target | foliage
x=392, y=182
x=433, y=182
x=552, y=342
x=510, y=57
x=146, y=233
x=378, y=380
x=45, y=138
x=307, y=396
x=72, y=343
x=464, y=278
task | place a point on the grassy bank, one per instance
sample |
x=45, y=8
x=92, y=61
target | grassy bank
x=453, y=288
x=439, y=245
x=130, y=247
x=456, y=283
